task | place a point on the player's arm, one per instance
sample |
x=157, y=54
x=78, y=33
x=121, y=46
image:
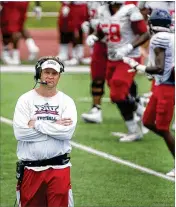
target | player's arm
x=91, y=24
x=140, y=28
x=65, y=8
x=98, y=34
x=62, y=129
x=95, y=36
x=21, y=118
x=159, y=63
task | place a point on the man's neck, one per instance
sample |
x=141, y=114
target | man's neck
x=113, y=9
x=46, y=92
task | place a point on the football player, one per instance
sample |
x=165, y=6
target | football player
x=13, y=17
x=124, y=29
x=72, y=15
x=159, y=112
x=98, y=67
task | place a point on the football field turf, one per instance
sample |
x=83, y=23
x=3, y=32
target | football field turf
x=96, y=181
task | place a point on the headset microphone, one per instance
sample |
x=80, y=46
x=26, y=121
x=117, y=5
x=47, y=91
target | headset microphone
x=40, y=82
x=43, y=82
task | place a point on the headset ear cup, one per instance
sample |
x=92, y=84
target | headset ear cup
x=37, y=71
x=62, y=67
x=38, y=68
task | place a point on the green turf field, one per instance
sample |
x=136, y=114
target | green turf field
x=96, y=182
x=47, y=6
x=44, y=22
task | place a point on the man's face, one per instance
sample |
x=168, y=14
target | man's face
x=50, y=76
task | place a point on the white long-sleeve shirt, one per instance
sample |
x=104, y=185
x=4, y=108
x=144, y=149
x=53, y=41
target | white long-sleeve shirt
x=47, y=139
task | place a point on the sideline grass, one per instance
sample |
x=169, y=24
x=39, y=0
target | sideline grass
x=96, y=182
x=47, y=6
x=44, y=22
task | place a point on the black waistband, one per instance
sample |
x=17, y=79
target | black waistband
x=59, y=160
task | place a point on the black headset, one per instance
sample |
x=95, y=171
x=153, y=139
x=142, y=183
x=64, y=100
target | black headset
x=38, y=68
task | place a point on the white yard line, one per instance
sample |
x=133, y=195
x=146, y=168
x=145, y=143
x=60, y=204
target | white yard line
x=89, y=99
x=108, y=156
x=44, y=14
x=31, y=69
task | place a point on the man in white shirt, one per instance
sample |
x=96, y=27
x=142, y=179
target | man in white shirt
x=44, y=122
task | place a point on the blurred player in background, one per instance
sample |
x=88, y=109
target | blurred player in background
x=72, y=15
x=13, y=17
x=98, y=66
x=65, y=31
x=122, y=38
x=159, y=112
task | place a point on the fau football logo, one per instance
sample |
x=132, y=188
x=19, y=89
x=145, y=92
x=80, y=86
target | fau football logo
x=46, y=109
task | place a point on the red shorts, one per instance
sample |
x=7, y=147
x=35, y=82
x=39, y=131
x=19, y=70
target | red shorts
x=119, y=79
x=99, y=61
x=13, y=16
x=65, y=23
x=79, y=14
x=46, y=188
x=131, y=2
x=160, y=108
x=76, y=16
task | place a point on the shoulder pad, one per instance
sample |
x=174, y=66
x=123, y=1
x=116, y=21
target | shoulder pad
x=161, y=39
x=133, y=12
x=102, y=11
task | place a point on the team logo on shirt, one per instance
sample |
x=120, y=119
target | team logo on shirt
x=46, y=109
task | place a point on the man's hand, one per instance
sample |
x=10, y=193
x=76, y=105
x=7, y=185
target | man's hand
x=65, y=11
x=131, y=62
x=85, y=26
x=31, y=123
x=119, y=53
x=64, y=122
x=91, y=39
x=134, y=65
x=38, y=12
